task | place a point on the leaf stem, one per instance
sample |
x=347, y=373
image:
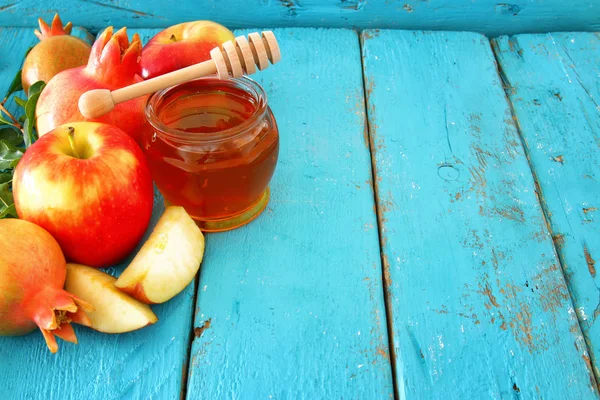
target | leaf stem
x=3, y=202
x=12, y=117
x=72, y=141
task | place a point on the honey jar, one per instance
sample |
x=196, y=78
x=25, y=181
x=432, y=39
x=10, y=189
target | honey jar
x=213, y=149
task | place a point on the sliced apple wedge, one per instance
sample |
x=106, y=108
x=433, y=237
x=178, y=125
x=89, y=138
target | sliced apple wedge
x=114, y=311
x=167, y=262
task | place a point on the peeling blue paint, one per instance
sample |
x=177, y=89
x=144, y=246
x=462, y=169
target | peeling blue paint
x=489, y=17
x=508, y=9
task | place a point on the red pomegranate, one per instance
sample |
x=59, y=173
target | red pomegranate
x=56, y=52
x=114, y=63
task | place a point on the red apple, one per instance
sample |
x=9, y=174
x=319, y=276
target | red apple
x=89, y=185
x=182, y=45
x=114, y=63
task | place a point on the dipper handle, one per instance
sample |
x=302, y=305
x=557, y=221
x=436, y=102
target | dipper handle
x=231, y=59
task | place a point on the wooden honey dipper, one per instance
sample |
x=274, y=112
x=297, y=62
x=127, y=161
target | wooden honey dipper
x=228, y=60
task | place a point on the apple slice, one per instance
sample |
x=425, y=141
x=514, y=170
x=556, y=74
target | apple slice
x=115, y=311
x=167, y=262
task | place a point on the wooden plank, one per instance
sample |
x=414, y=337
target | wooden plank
x=552, y=81
x=479, y=304
x=292, y=305
x=149, y=363
x=491, y=17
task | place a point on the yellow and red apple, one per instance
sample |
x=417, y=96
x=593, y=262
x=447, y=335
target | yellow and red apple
x=167, y=262
x=182, y=45
x=114, y=311
x=89, y=185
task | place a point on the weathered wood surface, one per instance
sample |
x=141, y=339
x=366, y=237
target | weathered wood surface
x=480, y=308
x=291, y=306
x=553, y=81
x=150, y=363
x=491, y=17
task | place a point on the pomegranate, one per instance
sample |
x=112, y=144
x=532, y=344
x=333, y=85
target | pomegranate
x=114, y=62
x=33, y=271
x=57, y=51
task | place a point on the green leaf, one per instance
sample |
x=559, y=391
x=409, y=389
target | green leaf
x=5, y=177
x=30, y=106
x=29, y=133
x=36, y=88
x=8, y=212
x=15, y=85
x=20, y=102
x=9, y=155
x=11, y=135
x=28, y=50
x=28, y=125
x=5, y=121
x=7, y=203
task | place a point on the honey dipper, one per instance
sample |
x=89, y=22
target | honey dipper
x=231, y=59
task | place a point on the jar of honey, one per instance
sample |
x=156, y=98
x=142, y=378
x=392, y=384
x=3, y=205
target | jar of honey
x=213, y=149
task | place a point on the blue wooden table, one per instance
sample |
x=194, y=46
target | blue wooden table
x=432, y=233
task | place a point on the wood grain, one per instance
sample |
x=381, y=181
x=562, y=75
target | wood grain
x=492, y=17
x=291, y=306
x=553, y=82
x=149, y=363
x=479, y=303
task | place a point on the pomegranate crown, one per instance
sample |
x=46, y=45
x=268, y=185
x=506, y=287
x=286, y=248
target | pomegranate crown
x=114, y=58
x=56, y=29
x=55, y=318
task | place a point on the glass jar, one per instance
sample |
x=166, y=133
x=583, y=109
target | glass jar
x=213, y=149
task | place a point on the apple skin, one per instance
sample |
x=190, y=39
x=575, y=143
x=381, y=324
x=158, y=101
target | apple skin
x=136, y=291
x=97, y=206
x=182, y=45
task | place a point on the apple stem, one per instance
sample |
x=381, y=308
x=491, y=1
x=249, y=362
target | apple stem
x=72, y=141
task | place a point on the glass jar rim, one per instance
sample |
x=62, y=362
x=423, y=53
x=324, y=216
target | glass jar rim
x=247, y=84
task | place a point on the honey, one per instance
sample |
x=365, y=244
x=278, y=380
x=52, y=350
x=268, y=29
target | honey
x=213, y=149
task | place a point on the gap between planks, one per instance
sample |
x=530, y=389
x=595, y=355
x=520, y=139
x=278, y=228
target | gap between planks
x=385, y=275
x=506, y=86
x=385, y=267
x=185, y=371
